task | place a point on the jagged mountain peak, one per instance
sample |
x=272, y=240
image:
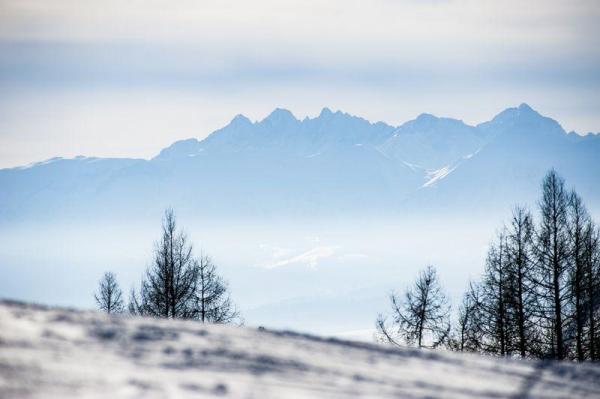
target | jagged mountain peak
x=338, y=160
x=339, y=118
x=523, y=121
x=522, y=111
x=325, y=112
x=240, y=120
x=280, y=116
x=282, y=129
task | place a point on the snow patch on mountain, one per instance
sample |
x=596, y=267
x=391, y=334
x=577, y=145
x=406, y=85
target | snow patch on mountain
x=436, y=175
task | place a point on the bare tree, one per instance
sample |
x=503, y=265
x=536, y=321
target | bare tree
x=498, y=315
x=178, y=285
x=522, y=301
x=109, y=297
x=422, y=318
x=212, y=302
x=469, y=333
x=495, y=300
x=577, y=222
x=540, y=293
x=136, y=306
x=552, y=250
x=592, y=290
x=169, y=285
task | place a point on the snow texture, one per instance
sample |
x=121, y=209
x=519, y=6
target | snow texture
x=58, y=353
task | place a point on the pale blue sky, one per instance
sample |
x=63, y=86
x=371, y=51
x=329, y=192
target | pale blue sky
x=113, y=78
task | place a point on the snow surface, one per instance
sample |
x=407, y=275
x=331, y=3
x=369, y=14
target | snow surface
x=436, y=175
x=58, y=353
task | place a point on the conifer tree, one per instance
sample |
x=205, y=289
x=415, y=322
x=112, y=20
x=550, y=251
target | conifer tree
x=109, y=297
x=552, y=260
x=522, y=299
x=422, y=318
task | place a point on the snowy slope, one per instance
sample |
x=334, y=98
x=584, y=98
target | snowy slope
x=57, y=353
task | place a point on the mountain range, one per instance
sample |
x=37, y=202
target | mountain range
x=333, y=165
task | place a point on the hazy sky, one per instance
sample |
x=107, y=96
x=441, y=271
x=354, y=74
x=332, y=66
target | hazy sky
x=126, y=78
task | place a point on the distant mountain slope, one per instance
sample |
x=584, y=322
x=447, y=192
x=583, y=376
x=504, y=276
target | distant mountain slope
x=59, y=353
x=523, y=146
x=332, y=165
x=282, y=132
x=432, y=143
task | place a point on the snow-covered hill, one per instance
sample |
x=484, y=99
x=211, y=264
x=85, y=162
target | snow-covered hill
x=59, y=353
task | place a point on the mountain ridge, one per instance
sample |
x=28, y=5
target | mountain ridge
x=241, y=120
x=335, y=163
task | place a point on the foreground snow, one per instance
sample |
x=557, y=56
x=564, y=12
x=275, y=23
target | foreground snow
x=58, y=353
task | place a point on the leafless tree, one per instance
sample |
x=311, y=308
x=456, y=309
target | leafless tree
x=109, y=297
x=552, y=259
x=540, y=292
x=522, y=300
x=422, y=318
x=469, y=332
x=178, y=285
x=496, y=296
x=212, y=302
x=169, y=285
x=592, y=290
x=498, y=315
x=578, y=221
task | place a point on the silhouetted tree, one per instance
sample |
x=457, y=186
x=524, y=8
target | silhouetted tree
x=592, y=289
x=469, y=333
x=136, y=306
x=496, y=296
x=540, y=292
x=552, y=259
x=109, y=297
x=522, y=299
x=169, y=285
x=577, y=222
x=422, y=317
x=212, y=302
x=178, y=285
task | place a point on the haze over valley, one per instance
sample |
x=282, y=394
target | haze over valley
x=312, y=221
